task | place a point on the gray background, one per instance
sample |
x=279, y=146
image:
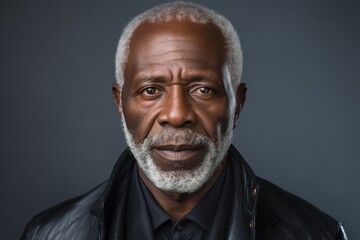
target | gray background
x=60, y=133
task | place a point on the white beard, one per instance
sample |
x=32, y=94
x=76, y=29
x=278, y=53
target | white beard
x=181, y=181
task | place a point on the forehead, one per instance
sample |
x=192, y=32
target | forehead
x=206, y=32
x=155, y=42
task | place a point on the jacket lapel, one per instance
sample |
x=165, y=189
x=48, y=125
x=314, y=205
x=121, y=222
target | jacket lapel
x=114, y=196
x=243, y=222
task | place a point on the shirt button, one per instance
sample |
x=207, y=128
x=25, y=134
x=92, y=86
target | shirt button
x=179, y=227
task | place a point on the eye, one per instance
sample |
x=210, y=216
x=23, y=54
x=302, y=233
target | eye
x=150, y=91
x=203, y=90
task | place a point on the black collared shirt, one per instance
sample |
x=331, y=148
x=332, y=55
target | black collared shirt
x=145, y=219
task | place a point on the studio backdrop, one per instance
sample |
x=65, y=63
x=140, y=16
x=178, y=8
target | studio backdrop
x=60, y=132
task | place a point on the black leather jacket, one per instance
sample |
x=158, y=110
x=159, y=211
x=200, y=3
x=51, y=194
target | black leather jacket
x=261, y=210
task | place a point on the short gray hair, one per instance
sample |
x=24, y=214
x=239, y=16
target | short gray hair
x=179, y=10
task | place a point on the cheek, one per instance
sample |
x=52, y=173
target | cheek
x=139, y=118
x=215, y=119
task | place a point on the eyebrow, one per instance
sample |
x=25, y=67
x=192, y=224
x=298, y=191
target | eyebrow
x=145, y=78
x=194, y=76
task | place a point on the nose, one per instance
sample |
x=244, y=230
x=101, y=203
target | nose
x=177, y=111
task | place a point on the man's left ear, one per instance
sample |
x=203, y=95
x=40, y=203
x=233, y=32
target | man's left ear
x=240, y=100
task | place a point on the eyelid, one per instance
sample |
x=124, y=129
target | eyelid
x=149, y=87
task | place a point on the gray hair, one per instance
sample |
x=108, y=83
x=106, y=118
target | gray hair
x=179, y=10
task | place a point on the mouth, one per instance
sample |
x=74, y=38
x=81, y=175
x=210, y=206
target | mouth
x=174, y=157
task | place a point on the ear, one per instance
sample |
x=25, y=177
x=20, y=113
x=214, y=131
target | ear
x=115, y=87
x=240, y=100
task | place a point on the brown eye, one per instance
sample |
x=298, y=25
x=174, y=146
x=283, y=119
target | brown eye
x=204, y=90
x=150, y=90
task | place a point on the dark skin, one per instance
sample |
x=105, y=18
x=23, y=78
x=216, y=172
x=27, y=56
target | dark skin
x=174, y=79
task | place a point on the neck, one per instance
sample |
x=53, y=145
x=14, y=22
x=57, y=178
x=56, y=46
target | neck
x=177, y=205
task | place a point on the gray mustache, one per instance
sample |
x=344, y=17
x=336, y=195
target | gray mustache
x=177, y=137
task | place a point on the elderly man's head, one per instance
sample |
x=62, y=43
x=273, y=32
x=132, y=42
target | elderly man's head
x=178, y=70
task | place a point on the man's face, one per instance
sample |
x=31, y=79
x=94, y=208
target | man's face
x=177, y=103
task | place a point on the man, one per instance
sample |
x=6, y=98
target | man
x=178, y=92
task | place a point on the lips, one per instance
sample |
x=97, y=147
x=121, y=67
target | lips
x=176, y=157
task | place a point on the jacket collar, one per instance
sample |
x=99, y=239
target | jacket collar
x=117, y=188
x=250, y=211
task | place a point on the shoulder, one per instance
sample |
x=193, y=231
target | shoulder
x=67, y=220
x=293, y=216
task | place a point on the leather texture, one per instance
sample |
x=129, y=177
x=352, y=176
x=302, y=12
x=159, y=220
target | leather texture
x=261, y=211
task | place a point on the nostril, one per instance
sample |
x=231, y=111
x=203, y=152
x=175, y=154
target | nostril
x=175, y=120
x=177, y=116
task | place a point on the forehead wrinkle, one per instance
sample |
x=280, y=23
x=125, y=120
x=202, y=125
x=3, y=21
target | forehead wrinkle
x=171, y=38
x=160, y=69
x=183, y=51
x=195, y=75
x=196, y=72
x=183, y=40
x=144, y=75
x=162, y=49
x=186, y=62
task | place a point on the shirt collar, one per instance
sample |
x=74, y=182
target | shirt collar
x=200, y=214
x=157, y=215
